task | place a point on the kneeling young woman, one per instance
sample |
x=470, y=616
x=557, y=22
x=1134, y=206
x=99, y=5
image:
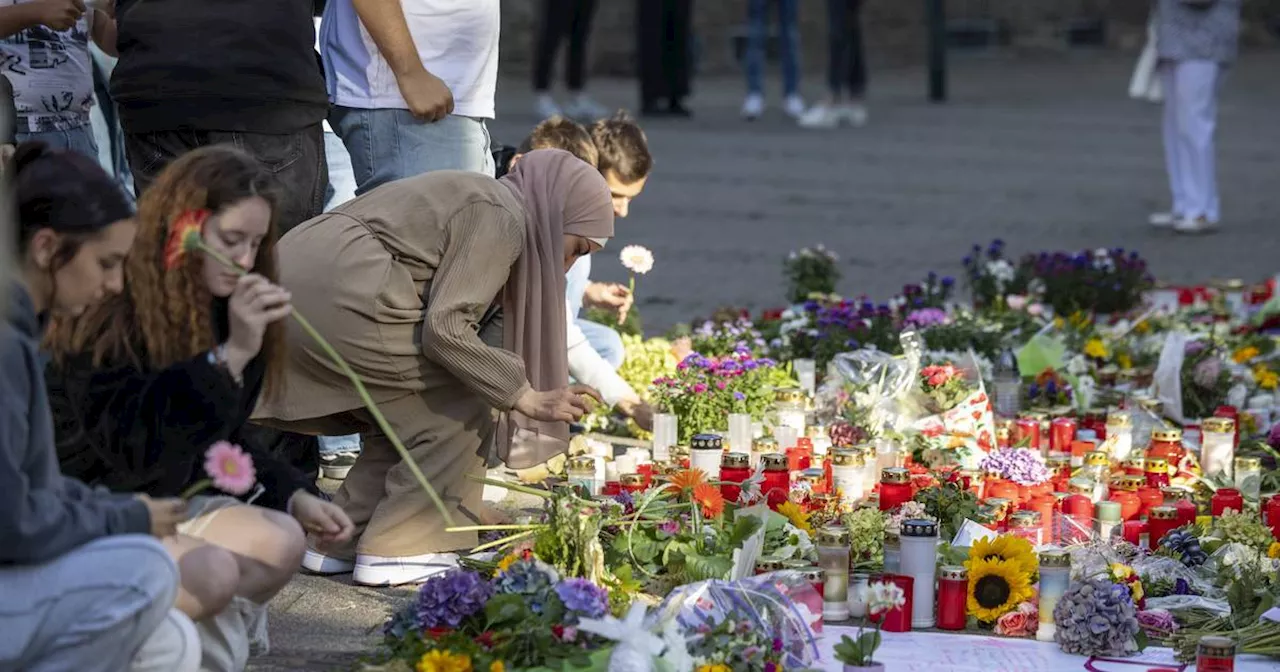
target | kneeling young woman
x=144, y=384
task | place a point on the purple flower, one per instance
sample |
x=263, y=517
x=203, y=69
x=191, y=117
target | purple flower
x=925, y=318
x=1019, y=465
x=738, y=396
x=447, y=599
x=583, y=598
x=670, y=527
x=1207, y=371
x=700, y=388
x=1157, y=623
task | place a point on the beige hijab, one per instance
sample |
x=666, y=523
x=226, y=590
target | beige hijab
x=561, y=195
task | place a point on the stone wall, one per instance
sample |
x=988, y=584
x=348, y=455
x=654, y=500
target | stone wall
x=894, y=29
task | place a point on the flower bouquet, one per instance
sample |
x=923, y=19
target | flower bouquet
x=961, y=423
x=1020, y=465
x=991, y=277
x=1100, y=281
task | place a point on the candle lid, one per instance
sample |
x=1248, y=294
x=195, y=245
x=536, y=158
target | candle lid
x=833, y=535
x=1218, y=425
x=1080, y=486
x=1248, y=463
x=1056, y=462
x=1119, y=419
x=919, y=527
x=1156, y=465
x=1168, y=435
x=707, y=442
x=811, y=574
x=1097, y=458
x=1163, y=512
x=987, y=514
x=774, y=462
x=735, y=460
x=953, y=573
x=846, y=458
x=1033, y=415
x=769, y=563
x=1025, y=519
x=795, y=563
x=1139, y=463
x=765, y=445
x=680, y=452
x=1108, y=511
x=895, y=475
x=582, y=463
x=813, y=475
x=1055, y=557
x=631, y=479
x=1214, y=646
x=789, y=395
x=1176, y=493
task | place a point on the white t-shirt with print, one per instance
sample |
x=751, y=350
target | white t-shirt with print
x=52, y=74
x=457, y=41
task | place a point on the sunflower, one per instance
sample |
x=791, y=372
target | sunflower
x=688, y=479
x=1006, y=547
x=996, y=587
x=709, y=499
x=797, y=515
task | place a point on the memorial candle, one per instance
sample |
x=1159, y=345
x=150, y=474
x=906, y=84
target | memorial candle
x=953, y=593
x=705, y=454
x=833, y=559
x=846, y=476
x=777, y=479
x=895, y=487
x=1055, y=574
x=1161, y=521
x=919, y=540
x=1217, y=447
x=734, y=469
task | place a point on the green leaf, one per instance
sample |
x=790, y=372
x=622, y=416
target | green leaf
x=1142, y=639
x=743, y=527
x=869, y=641
x=506, y=610
x=705, y=567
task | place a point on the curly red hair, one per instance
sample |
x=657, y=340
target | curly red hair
x=165, y=315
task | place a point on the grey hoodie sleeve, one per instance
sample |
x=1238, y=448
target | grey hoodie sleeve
x=43, y=515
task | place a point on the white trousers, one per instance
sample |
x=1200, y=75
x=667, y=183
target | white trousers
x=1190, y=117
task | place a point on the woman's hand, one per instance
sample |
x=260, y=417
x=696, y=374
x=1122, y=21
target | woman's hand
x=325, y=521
x=563, y=405
x=255, y=303
x=639, y=411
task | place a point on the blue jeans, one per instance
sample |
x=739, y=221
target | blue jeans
x=79, y=139
x=788, y=44
x=106, y=123
x=388, y=145
x=89, y=609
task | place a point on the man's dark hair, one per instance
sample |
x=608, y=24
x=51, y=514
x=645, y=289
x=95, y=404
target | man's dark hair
x=562, y=133
x=623, y=148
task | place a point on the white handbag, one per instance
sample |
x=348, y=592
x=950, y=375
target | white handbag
x=1145, y=83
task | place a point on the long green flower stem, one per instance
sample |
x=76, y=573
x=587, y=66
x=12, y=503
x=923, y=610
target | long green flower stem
x=356, y=382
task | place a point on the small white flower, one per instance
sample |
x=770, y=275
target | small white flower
x=883, y=596
x=637, y=259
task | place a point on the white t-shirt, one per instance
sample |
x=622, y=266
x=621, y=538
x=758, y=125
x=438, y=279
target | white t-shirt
x=457, y=41
x=51, y=73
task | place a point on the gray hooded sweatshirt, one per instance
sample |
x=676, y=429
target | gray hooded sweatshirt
x=43, y=514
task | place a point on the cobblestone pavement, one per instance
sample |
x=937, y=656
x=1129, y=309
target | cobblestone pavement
x=1044, y=154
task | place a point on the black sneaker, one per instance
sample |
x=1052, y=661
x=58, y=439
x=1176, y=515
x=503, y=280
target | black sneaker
x=336, y=465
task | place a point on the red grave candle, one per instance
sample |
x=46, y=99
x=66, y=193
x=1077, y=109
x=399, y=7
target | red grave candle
x=777, y=479
x=1062, y=431
x=1227, y=498
x=896, y=620
x=1130, y=505
x=895, y=487
x=953, y=594
x=800, y=455
x=1149, y=498
x=1163, y=520
x=1272, y=511
x=1133, y=532
x=1077, y=508
x=1180, y=499
x=632, y=483
x=1157, y=472
x=1027, y=430
x=646, y=471
x=734, y=468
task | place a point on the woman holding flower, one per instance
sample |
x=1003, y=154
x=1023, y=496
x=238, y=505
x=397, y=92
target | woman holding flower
x=445, y=293
x=147, y=382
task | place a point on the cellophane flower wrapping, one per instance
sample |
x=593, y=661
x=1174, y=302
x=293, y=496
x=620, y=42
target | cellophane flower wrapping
x=875, y=383
x=783, y=607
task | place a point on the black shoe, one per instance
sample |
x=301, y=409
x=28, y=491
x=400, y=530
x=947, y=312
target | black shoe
x=677, y=109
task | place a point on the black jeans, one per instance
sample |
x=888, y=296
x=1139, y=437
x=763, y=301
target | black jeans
x=847, y=63
x=297, y=159
x=663, y=49
x=560, y=18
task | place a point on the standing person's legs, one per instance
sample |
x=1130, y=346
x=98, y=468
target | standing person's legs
x=106, y=121
x=342, y=180
x=1173, y=158
x=582, y=13
x=649, y=52
x=837, y=46
x=857, y=68
x=757, y=34
x=678, y=22
x=553, y=21
x=789, y=46
x=90, y=609
x=390, y=144
x=1197, y=84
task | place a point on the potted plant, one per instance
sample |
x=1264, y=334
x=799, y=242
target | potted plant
x=856, y=654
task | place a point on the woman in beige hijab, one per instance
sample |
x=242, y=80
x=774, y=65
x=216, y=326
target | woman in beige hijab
x=445, y=292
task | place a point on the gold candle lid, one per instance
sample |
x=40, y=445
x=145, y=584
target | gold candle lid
x=1080, y=486
x=582, y=463
x=812, y=476
x=1168, y=435
x=1119, y=419
x=765, y=445
x=1214, y=646
x=1248, y=463
x=895, y=475
x=774, y=461
x=1097, y=458
x=789, y=395
x=1138, y=463
x=1157, y=465
x=1025, y=519
x=846, y=458
x=707, y=442
x=680, y=452
x=1033, y=415
x=1130, y=483
x=1000, y=504
x=833, y=535
x=735, y=460
x=631, y=479
x=1163, y=512
x=1175, y=493
x=1054, y=557
x=1219, y=425
x=1057, y=462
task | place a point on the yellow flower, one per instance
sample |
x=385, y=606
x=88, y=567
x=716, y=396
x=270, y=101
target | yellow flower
x=505, y=563
x=1274, y=551
x=444, y=661
x=996, y=587
x=1245, y=354
x=1095, y=348
x=1266, y=378
x=1058, y=323
x=1124, y=360
x=1142, y=327
x=797, y=515
x=1120, y=571
x=718, y=667
x=1016, y=550
x=497, y=666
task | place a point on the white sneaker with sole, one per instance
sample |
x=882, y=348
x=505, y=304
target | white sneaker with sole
x=336, y=466
x=319, y=563
x=545, y=106
x=854, y=114
x=1195, y=226
x=1163, y=220
x=820, y=116
x=753, y=106
x=373, y=570
x=794, y=106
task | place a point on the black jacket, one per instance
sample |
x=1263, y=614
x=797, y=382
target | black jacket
x=234, y=65
x=135, y=430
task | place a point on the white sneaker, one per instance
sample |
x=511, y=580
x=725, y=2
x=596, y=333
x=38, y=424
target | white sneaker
x=545, y=106
x=854, y=114
x=373, y=570
x=1195, y=226
x=820, y=116
x=336, y=466
x=1163, y=220
x=583, y=108
x=753, y=107
x=794, y=106
x=319, y=563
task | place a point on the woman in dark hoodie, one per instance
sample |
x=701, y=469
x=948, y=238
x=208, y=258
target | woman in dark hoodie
x=85, y=582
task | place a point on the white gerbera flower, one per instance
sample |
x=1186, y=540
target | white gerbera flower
x=637, y=258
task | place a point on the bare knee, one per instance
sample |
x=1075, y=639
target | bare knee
x=211, y=575
x=284, y=546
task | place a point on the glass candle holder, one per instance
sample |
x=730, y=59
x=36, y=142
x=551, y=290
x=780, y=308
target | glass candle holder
x=786, y=436
x=892, y=552
x=1162, y=520
x=1217, y=447
x=858, y=584
x=806, y=371
x=632, y=483
x=776, y=485
x=734, y=469
x=895, y=487
x=919, y=560
x=1109, y=519
x=665, y=435
x=953, y=594
x=846, y=476
x=581, y=472
x=1248, y=477
x=1226, y=499
x=1055, y=575
x=1120, y=435
x=740, y=437
x=789, y=411
x=833, y=559
x=762, y=446
x=1062, y=431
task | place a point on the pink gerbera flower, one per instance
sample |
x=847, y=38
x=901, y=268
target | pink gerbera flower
x=230, y=468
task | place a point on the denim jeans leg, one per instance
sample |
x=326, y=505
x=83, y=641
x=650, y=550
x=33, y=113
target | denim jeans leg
x=332, y=445
x=342, y=180
x=757, y=32
x=78, y=140
x=789, y=46
x=575, y=285
x=390, y=144
x=604, y=341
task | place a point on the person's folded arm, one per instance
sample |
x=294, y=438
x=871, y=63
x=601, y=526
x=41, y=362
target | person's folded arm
x=483, y=242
